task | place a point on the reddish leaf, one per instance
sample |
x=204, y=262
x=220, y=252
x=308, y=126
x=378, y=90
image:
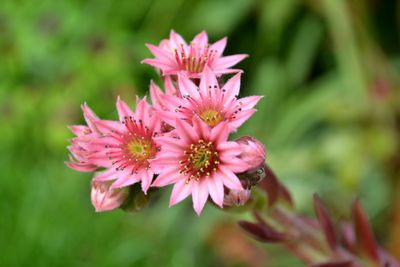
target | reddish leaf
x=271, y=186
x=334, y=264
x=261, y=232
x=348, y=236
x=285, y=194
x=365, y=238
x=325, y=222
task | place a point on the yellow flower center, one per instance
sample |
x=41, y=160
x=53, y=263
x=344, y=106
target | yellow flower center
x=139, y=149
x=201, y=159
x=211, y=116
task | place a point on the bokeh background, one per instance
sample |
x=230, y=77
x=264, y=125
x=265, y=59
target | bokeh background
x=329, y=70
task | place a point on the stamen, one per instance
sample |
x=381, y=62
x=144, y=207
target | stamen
x=201, y=160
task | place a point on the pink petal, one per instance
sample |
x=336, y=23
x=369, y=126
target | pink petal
x=220, y=72
x=219, y=47
x=126, y=178
x=100, y=159
x=229, y=147
x=169, y=86
x=171, y=102
x=146, y=179
x=104, y=141
x=109, y=174
x=186, y=131
x=79, y=129
x=109, y=126
x=231, y=88
x=180, y=191
x=216, y=189
x=201, y=39
x=227, y=62
x=85, y=167
x=208, y=85
x=168, y=176
x=161, y=54
x=176, y=41
x=230, y=180
x=167, y=158
x=201, y=127
x=156, y=95
x=154, y=123
x=199, y=195
x=169, y=116
x=249, y=102
x=235, y=164
x=187, y=87
x=142, y=109
x=241, y=118
x=220, y=132
x=172, y=144
x=164, y=66
x=123, y=110
x=90, y=117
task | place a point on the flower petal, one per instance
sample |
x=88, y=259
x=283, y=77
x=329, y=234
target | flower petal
x=180, y=191
x=216, y=189
x=123, y=110
x=146, y=179
x=219, y=47
x=168, y=176
x=227, y=62
x=231, y=88
x=199, y=195
x=230, y=180
x=201, y=39
x=220, y=132
x=185, y=131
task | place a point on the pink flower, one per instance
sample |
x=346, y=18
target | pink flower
x=201, y=162
x=174, y=56
x=237, y=197
x=252, y=152
x=209, y=103
x=127, y=146
x=79, y=148
x=104, y=197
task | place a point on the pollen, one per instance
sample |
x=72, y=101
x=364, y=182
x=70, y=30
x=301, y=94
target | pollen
x=200, y=160
x=195, y=59
x=211, y=116
x=139, y=149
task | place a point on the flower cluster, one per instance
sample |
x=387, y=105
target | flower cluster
x=181, y=139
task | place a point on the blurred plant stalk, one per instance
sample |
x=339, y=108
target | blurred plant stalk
x=317, y=242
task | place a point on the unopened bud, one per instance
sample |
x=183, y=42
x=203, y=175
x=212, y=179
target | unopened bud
x=252, y=152
x=236, y=197
x=105, y=198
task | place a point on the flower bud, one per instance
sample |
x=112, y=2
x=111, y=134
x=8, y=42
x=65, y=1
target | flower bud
x=105, y=198
x=252, y=152
x=236, y=197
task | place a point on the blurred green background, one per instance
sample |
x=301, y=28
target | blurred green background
x=329, y=70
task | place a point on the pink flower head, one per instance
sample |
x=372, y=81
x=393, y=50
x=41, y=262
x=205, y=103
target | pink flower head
x=237, y=197
x=175, y=56
x=201, y=162
x=209, y=102
x=105, y=198
x=127, y=146
x=79, y=148
x=252, y=152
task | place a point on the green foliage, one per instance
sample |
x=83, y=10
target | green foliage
x=327, y=70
